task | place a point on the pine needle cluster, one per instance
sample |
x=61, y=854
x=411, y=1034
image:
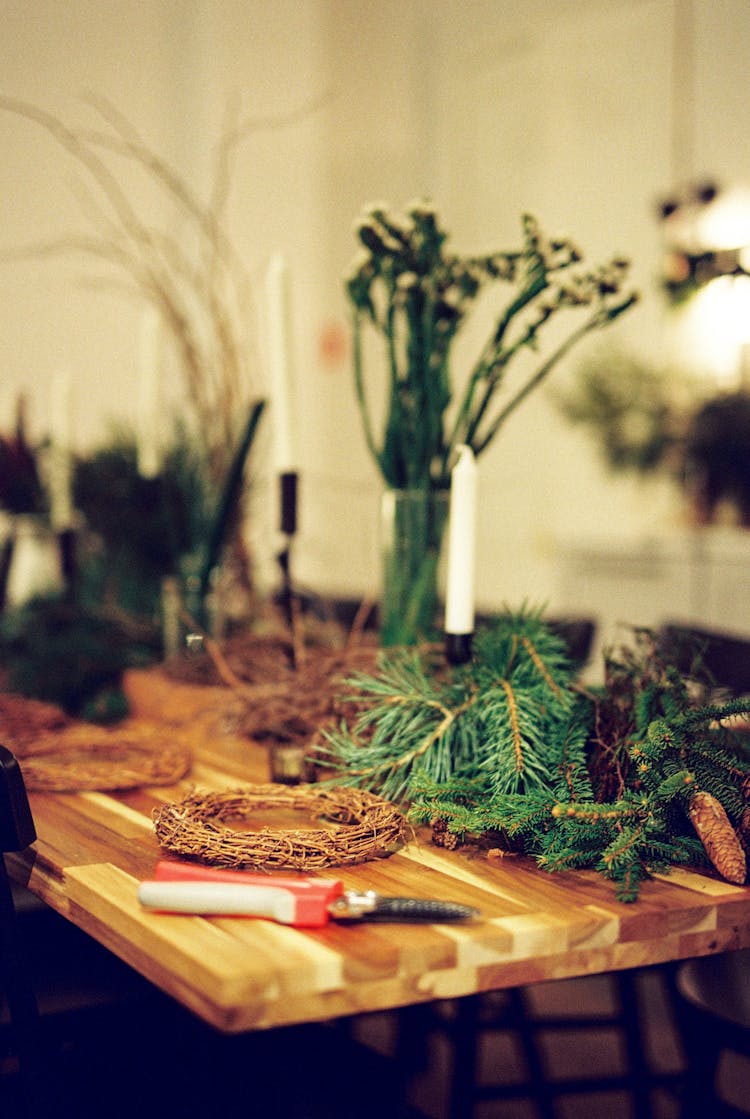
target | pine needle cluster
x=495, y=719
x=512, y=750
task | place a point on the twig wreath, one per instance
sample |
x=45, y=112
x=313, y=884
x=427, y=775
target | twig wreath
x=362, y=826
x=78, y=762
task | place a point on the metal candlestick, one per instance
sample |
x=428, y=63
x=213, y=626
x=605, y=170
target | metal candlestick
x=458, y=647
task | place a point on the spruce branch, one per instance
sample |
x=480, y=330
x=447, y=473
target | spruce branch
x=493, y=720
x=618, y=779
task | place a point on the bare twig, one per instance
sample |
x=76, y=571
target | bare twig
x=197, y=282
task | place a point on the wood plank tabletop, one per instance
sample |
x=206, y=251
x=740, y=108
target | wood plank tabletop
x=243, y=973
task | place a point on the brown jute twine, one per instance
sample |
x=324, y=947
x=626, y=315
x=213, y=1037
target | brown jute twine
x=362, y=826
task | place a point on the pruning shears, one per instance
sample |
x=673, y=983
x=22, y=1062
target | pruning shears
x=300, y=901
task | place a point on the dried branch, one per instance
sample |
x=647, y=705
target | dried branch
x=196, y=281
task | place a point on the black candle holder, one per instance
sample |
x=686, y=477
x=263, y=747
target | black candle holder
x=458, y=648
x=288, y=502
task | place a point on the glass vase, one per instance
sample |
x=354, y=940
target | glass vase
x=413, y=526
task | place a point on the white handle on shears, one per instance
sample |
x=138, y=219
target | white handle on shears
x=219, y=898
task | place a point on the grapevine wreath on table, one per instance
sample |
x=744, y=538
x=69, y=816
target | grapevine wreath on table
x=361, y=826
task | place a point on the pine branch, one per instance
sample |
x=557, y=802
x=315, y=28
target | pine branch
x=495, y=721
x=511, y=747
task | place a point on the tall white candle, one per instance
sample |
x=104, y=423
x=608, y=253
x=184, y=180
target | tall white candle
x=459, y=601
x=149, y=395
x=278, y=345
x=61, y=462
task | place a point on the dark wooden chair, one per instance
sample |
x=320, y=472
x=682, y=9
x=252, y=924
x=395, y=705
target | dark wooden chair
x=517, y=1048
x=724, y=658
x=713, y=1001
x=16, y=833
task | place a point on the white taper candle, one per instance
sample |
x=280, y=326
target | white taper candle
x=149, y=395
x=61, y=464
x=278, y=346
x=459, y=602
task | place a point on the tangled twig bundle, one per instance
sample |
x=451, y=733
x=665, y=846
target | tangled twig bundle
x=281, y=701
x=362, y=826
x=197, y=284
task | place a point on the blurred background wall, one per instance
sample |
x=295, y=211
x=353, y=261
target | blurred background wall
x=582, y=112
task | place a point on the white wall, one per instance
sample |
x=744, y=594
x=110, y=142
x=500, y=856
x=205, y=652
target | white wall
x=488, y=106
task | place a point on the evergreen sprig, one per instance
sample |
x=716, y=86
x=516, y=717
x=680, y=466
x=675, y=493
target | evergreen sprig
x=510, y=749
x=495, y=719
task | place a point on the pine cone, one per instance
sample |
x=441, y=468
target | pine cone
x=717, y=835
x=743, y=830
x=441, y=837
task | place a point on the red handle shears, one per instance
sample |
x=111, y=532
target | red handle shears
x=301, y=901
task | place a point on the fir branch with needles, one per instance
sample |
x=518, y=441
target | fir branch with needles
x=511, y=750
x=414, y=721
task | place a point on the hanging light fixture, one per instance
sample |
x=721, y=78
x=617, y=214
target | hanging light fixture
x=706, y=235
x=705, y=225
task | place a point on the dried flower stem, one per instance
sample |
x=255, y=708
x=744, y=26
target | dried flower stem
x=416, y=295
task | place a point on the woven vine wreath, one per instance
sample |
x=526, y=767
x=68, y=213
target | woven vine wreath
x=362, y=826
x=79, y=760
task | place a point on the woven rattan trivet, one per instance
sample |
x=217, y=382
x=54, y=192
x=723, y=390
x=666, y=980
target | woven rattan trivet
x=362, y=826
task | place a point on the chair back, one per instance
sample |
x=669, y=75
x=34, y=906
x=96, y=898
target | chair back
x=16, y=822
x=724, y=657
x=17, y=831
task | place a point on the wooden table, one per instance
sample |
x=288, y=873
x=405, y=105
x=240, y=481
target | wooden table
x=244, y=973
